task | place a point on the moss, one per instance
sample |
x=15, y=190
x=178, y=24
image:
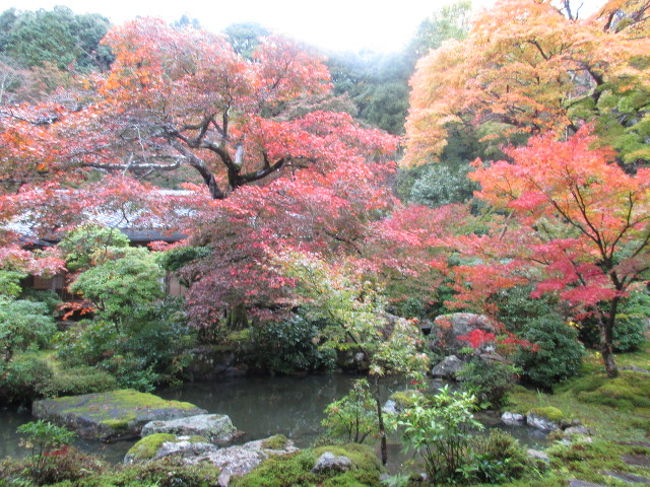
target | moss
x=275, y=442
x=548, y=412
x=629, y=390
x=295, y=470
x=147, y=447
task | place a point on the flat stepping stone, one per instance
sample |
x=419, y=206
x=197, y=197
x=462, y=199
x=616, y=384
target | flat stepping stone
x=582, y=483
x=628, y=477
x=111, y=416
x=217, y=428
x=637, y=460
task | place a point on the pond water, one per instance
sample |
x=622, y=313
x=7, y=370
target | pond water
x=259, y=406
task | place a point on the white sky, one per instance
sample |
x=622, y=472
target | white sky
x=379, y=25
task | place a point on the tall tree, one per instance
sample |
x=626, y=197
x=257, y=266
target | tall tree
x=521, y=71
x=576, y=217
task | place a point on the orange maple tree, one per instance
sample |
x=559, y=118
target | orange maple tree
x=528, y=67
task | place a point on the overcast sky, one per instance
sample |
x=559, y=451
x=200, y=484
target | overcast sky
x=353, y=25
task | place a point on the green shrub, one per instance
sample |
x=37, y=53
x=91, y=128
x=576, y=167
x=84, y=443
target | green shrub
x=24, y=378
x=558, y=357
x=287, y=347
x=517, y=309
x=498, y=458
x=439, y=431
x=352, y=418
x=150, y=348
x=122, y=289
x=23, y=325
x=488, y=380
x=10, y=283
x=70, y=381
x=629, y=330
x=442, y=184
x=83, y=246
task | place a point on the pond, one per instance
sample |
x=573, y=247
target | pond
x=259, y=406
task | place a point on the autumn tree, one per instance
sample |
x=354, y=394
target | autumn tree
x=527, y=67
x=576, y=220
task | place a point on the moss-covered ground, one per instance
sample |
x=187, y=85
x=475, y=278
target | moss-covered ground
x=617, y=411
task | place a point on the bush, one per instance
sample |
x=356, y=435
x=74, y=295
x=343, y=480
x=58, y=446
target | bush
x=10, y=283
x=442, y=184
x=629, y=330
x=83, y=246
x=122, y=289
x=517, y=309
x=23, y=325
x=498, y=458
x=24, y=378
x=439, y=432
x=287, y=347
x=352, y=418
x=71, y=381
x=148, y=349
x=558, y=357
x=488, y=380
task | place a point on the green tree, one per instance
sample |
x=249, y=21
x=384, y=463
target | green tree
x=355, y=320
x=245, y=37
x=57, y=37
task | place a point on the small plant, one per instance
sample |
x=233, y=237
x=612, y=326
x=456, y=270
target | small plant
x=46, y=441
x=353, y=417
x=439, y=431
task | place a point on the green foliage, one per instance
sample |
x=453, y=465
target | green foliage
x=70, y=381
x=151, y=348
x=44, y=439
x=630, y=328
x=287, y=347
x=295, y=470
x=24, y=377
x=442, y=184
x=498, y=458
x=517, y=309
x=488, y=380
x=178, y=257
x=87, y=244
x=10, y=283
x=439, y=431
x=352, y=418
x=245, y=37
x=122, y=289
x=23, y=325
x=450, y=22
x=57, y=37
x=559, y=355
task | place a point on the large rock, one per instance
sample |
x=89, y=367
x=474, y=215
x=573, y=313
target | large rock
x=542, y=422
x=111, y=416
x=447, y=328
x=242, y=459
x=328, y=462
x=513, y=419
x=160, y=445
x=217, y=428
x=448, y=367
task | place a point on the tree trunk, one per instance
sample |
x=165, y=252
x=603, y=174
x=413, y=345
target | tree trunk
x=380, y=419
x=607, y=337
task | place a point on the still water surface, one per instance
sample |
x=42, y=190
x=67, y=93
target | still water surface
x=259, y=406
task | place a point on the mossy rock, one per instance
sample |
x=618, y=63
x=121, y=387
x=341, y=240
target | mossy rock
x=296, y=469
x=548, y=412
x=111, y=416
x=275, y=442
x=161, y=445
